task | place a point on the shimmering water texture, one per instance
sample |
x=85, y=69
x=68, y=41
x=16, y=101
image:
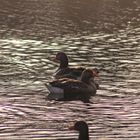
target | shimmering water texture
x=25, y=65
x=102, y=35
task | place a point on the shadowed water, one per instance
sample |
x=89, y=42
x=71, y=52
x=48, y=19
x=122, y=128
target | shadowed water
x=26, y=64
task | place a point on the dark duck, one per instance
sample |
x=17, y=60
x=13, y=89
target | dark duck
x=82, y=128
x=64, y=71
x=71, y=89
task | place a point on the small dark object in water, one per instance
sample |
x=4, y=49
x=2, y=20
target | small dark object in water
x=82, y=127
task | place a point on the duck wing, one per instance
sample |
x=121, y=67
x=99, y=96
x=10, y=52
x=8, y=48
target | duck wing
x=60, y=73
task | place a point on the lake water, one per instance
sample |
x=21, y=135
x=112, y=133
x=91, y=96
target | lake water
x=102, y=34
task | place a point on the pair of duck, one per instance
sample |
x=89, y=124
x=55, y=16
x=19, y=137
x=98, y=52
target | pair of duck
x=72, y=83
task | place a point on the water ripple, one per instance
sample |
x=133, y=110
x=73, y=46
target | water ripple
x=25, y=65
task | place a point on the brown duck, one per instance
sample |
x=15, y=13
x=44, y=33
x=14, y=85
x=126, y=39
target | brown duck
x=71, y=89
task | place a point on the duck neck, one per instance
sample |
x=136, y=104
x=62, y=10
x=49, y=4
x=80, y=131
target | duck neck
x=63, y=63
x=84, y=135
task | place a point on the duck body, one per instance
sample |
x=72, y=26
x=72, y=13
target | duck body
x=71, y=89
x=82, y=127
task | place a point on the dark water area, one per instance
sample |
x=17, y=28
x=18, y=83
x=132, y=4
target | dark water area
x=94, y=33
x=45, y=19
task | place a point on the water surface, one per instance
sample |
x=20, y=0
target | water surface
x=31, y=37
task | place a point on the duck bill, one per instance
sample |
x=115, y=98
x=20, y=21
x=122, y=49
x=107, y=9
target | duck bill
x=55, y=60
x=95, y=74
x=71, y=128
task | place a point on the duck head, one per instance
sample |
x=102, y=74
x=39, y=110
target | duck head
x=87, y=74
x=62, y=58
x=82, y=127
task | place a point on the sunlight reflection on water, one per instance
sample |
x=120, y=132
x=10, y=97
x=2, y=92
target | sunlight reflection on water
x=108, y=38
x=27, y=64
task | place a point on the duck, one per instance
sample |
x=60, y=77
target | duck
x=83, y=129
x=72, y=89
x=64, y=71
